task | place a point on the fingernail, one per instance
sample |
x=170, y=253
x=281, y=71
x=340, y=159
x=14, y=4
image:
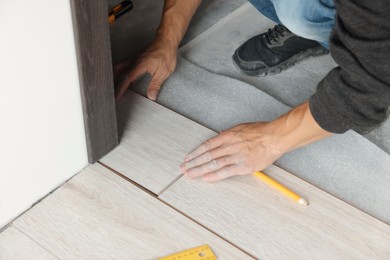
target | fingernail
x=182, y=168
x=153, y=95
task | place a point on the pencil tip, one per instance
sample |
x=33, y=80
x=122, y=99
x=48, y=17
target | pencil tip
x=303, y=202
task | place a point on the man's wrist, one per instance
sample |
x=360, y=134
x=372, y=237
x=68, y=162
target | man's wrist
x=176, y=17
x=296, y=129
x=167, y=38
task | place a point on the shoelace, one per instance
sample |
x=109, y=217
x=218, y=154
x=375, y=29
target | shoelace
x=275, y=33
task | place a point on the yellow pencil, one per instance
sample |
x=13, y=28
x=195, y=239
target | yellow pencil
x=281, y=188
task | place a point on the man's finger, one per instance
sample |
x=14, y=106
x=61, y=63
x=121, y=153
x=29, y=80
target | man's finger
x=202, y=159
x=223, y=173
x=207, y=146
x=124, y=84
x=154, y=87
x=207, y=157
x=209, y=167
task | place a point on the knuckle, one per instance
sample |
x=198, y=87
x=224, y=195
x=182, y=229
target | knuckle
x=225, y=160
x=214, y=165
x=189, y=165
x=155, y=86
x=206, y=145
x=225, y=171
x=208, y=156
x=231, y=170
x=193, y=171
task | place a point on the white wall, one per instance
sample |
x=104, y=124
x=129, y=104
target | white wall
x=42, y=138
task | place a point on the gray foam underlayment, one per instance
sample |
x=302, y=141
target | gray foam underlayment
x=213, y=49
x=348, y=166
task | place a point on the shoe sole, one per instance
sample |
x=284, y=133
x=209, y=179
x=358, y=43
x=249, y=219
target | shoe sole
x=318, y=51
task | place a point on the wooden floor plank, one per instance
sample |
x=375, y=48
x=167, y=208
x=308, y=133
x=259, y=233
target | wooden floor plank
x=268, y=225
x=99, y=215
x=154, y=142
x=14, y=245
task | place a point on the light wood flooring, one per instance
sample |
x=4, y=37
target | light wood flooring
x=135, y=204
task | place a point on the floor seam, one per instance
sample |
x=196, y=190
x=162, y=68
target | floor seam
x=170, y=184
x=43, y=247
x=151, y=193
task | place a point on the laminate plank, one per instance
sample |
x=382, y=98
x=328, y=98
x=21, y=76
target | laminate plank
x=93, y=48
x=265, y=223
x=14, y=245
x=154, y=142
x=99, y=215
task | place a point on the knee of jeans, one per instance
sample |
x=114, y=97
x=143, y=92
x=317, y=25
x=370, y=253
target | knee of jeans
x=304, y=24
x=253, y=2
x=300, y=26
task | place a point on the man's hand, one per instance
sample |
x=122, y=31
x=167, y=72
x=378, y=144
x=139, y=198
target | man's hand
x=252, y=147
x=159, y=60
x=240, y=150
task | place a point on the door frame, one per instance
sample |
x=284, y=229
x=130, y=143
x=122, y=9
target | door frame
x=93, y=50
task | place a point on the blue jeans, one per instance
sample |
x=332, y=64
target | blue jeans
x=310, y=19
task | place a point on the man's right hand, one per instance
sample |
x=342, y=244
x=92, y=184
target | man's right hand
x=159, y=60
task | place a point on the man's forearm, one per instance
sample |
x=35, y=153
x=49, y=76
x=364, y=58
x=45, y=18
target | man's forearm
x=176, y=17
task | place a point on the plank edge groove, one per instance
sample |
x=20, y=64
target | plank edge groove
x=151, y=193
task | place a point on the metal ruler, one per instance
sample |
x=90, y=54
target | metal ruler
x=197, y=253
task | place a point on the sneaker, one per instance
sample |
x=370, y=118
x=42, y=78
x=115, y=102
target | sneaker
x=274, y=51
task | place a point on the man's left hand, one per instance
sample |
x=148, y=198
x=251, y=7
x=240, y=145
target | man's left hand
x=240, y=150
